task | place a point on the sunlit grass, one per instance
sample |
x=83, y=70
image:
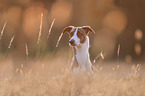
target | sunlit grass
x=50, y=78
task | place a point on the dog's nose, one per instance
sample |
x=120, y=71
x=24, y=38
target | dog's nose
x=72, y=42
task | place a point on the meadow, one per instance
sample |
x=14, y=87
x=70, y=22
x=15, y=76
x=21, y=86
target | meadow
x=50, y=77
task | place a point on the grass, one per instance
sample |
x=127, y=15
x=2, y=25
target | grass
x=49, y=77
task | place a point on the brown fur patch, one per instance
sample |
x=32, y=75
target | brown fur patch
x=82, y=35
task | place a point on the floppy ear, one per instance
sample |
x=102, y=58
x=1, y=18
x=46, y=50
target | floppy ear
x=88, y=29
x=68, y=29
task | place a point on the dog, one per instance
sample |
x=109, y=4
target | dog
x=81, y=65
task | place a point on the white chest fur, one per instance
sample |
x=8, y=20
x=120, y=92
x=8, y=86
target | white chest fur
x=83, y=58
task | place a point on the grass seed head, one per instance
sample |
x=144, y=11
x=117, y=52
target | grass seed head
x=50, y=28
x=59, y=39
x=11, y=42
x=39, y=36
x=118, y=51
x=3, y=29
x=26, y=46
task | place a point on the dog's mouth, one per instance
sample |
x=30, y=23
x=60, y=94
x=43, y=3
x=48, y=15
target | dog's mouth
x=72, y=43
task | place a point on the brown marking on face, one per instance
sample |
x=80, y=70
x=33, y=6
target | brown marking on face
x=81, y=33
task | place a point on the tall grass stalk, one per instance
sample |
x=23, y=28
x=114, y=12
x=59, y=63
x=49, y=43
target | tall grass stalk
x=3, y=29
x=11, y=41
x=118, y=52
x=49, y=32
x=26, y=47
x=57, y=44
x=59, y=39
x=50, y=28
x=98, y=56
x=40, y=30
x=39, y=37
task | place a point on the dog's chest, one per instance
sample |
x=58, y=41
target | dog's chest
x=81, y=58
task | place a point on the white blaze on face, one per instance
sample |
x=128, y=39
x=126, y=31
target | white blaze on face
x=75, y=37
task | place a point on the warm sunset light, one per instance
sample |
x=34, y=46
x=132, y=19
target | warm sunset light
x=72, y=48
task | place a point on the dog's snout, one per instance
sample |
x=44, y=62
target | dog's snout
x=72, y=42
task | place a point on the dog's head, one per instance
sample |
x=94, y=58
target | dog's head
x=77, y=34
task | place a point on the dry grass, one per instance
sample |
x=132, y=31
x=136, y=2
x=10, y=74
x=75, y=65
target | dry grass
x=2, y=32
x=49, y=77
x=39, y=35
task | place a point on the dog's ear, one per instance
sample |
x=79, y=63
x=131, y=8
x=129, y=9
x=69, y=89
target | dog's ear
x=68, y=29
x=88, y=29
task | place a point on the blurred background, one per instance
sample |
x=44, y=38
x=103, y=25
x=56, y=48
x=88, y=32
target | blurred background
x=119, y=27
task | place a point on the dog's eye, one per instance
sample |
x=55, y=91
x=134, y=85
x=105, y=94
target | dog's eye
x=79, y=34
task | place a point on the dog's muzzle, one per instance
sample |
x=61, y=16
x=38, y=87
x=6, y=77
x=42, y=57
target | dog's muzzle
x=72, y=42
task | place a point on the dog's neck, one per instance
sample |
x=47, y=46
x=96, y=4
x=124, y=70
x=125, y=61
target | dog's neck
x=81, y=53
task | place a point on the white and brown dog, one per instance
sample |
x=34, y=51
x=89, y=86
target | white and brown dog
x=81, y=65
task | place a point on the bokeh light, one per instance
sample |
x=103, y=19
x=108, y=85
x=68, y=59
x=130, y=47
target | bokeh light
x=32, y=17
x=115, y=20
x=137, y=49
x=61, y=11
x=138, y=34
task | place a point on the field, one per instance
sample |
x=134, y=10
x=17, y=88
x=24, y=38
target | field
x=49, y=77
x=35, y=56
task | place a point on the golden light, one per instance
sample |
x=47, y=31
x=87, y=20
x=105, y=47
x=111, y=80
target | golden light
x=137, y=49
x=138, y=34
x=32, y=20
x=61, y=12
x=115, y=20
